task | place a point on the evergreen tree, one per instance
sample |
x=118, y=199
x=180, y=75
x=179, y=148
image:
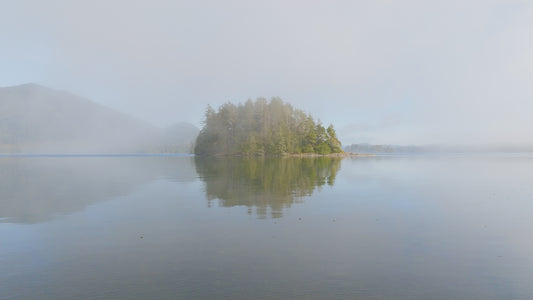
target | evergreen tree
x=262, y=127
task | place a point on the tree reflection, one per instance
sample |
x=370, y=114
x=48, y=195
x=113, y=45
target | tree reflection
x=269, y=185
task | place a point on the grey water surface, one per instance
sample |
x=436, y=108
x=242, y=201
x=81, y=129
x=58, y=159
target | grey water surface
x=383, y=227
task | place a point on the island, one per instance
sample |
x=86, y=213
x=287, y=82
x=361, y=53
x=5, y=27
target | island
x=264, y=128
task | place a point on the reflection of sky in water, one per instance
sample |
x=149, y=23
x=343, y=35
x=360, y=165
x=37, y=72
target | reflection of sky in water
x=35, y=189
x=411, y=227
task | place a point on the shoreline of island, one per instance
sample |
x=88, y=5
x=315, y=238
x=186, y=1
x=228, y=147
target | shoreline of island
x=285, y=155
x=340, y=154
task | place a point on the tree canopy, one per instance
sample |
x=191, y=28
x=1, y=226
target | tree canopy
x=261, y=127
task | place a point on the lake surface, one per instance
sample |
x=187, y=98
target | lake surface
x=384, y=227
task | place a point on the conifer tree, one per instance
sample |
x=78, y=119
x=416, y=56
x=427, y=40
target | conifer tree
x=262, y=127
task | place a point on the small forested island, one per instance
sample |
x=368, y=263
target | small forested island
x=263, y=128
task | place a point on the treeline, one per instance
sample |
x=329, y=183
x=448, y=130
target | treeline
x=368, y=148
x=435, y=149
x=261, y=127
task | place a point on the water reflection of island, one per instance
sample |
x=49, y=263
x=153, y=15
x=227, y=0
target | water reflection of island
x=269, y=185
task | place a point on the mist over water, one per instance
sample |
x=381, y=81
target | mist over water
x=412, y=227
x=382, y=72
x=38, y=120
x=101, y=103
x=40, y=188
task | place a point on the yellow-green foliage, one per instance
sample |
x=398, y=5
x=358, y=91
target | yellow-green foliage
x=262, y=127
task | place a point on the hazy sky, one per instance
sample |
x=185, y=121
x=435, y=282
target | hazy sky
x=400, y=72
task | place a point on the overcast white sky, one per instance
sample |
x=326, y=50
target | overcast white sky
x=397, y=72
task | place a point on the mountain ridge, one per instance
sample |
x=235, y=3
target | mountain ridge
x=38, y=119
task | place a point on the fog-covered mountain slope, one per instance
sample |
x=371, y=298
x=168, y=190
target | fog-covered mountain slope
x=37, y=119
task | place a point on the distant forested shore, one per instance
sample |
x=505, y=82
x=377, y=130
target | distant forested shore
x=263, y=128
x=436, y=149
x=385, y=149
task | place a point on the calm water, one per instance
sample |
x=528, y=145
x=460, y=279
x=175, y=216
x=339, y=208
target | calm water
x=411, y=227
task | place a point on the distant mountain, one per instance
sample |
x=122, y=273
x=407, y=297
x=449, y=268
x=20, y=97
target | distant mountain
x=37, y=119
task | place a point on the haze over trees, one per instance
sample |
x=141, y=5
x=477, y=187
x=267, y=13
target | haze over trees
x=261, y=127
